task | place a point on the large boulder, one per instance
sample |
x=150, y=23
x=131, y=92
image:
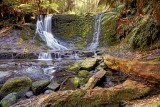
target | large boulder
x=88, y=64
x=38, y=86
x=9, y=100
x=150, y=71
x=20, y=85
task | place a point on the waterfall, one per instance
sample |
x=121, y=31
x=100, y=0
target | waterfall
x=45, y=56
x=44, y=29
x=97, y=31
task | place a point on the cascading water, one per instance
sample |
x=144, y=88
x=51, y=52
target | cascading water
x=45, y=56
x=44, y=29
x=97, y=31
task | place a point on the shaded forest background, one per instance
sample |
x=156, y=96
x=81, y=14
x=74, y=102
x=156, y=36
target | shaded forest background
x=135, y=21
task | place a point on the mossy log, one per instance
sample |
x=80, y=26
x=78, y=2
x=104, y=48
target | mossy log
x=153, y=101
x=94, y=79
x=150, y=71
x=98, y=97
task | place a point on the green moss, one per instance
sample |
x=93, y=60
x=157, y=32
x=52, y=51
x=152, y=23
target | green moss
x=9, y=100
x=70, y=27
x=18, y=85
x=39, y=85
x=109, y=27
x=74, y=67
x=144, y=34
x=76, y=81
x=84, y=74
x=88, y=64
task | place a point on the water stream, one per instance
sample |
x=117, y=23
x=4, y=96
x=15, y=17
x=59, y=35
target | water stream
x=44, y=29
x=97, y=32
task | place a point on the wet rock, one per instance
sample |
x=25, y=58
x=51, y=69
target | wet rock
x=34, y=72
x=4, y=76
x=8, y=100
x=38, y=86
x=74, y=67
x=20, y=85
x=48, y=91
x=53, y=86
x=84, y=73
x=88, y=64
x=76, y=81
x=29, y=94
x=88, y=53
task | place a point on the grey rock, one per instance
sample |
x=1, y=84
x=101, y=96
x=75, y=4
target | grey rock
x=4, y=76
x=29, y=94
x=53, y=86
x=8, y=100
x=38, y=86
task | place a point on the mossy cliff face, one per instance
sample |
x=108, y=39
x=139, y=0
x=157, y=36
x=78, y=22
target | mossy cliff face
x=73, y=29
x=108, y=29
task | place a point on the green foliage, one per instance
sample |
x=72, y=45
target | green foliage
x=70, y=27
x=109, y=26
x=46, y=4
x=144, y=34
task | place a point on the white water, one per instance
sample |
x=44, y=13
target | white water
x=44, y=56
x=44, y=29
x=58, y=56
x=97, y=31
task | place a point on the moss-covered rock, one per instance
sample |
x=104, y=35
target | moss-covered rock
x=88, y=64
x=8, y=100
x=84, y=73
x=38, y=86
x=20, y=85
x=74, y=67
x=76, y=81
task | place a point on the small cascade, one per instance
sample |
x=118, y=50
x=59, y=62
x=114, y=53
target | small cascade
x=97, y=31
x=74, y=56
x=44, y=56
x=44, y=29
x=58, y=56
x=49, y=70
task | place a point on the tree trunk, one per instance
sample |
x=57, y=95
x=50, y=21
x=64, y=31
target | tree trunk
x=150, y=71
x=98, y=97
x=94, y=79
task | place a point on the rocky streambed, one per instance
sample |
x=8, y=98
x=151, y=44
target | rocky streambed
x=96, y=81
